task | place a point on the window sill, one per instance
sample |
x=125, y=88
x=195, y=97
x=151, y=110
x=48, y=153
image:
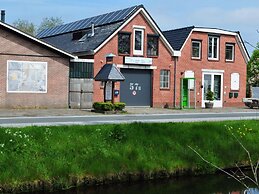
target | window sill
x=213, y=60
x=152, y=56
x=121, y=54
x=196, y=58
x=165, y=89
x=229, y=61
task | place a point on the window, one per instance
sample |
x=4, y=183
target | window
x=81, y=70
x=124, y=43
x=196, y=49
x=213, y=50
x=27, y=77
x=138, y=42
x=230, y=52
x=152, y=45
x=235, y=81
x=164, y=79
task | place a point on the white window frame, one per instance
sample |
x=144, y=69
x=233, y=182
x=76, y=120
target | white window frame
x=233, y=51
x=199, y=42
x=168, y=79
x=33, y=92
x=138, y=52
x=212, y=50
x=235, y=81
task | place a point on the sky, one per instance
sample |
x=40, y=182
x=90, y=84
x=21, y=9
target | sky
x=234, y=15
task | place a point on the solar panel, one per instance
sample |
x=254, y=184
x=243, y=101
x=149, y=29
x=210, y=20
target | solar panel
x=107, y=18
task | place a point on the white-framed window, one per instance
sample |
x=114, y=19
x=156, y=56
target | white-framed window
x=26, y=77
x=138, y=41
x=164, y=79
x=235, y=81
x=230, y=52
x=213, y=48
x=196, y=49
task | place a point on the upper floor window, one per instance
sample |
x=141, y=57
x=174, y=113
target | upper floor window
x=196, y=49
x=138, y=47
x=230, y=52
x=124, y=43
x=164, y=79
x=213, y=48
x=152, y=45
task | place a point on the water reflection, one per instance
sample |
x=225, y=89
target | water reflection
x=216, y=184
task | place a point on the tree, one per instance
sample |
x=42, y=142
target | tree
x=25, y=26
x=49, y=23
x=253, y=70
x=32, y=29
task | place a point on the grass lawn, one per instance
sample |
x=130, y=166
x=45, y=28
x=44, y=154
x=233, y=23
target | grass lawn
x=56, y=154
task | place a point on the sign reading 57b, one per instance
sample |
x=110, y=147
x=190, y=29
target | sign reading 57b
x=135, y=86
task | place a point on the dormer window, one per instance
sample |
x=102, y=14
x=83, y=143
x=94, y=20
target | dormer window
x=78, y=35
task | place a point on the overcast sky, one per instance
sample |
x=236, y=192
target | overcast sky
x=235, y=15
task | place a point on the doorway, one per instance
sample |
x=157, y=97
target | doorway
x=214, y=82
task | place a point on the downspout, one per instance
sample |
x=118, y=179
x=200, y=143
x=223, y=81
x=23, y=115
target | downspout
x=175, y=63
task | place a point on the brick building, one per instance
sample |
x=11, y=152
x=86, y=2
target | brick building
x=33, y=73
x=169, y=68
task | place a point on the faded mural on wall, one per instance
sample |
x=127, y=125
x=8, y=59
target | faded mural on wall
x=27, y=77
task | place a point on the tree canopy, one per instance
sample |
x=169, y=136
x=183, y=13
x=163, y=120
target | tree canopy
x=32, y=29
x=253, y=68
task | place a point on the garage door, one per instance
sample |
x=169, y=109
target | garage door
x=136, y=89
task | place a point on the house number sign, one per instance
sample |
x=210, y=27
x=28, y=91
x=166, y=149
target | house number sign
x=134, y=87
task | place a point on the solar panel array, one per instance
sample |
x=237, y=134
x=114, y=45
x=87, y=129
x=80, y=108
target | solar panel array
x=107, y=18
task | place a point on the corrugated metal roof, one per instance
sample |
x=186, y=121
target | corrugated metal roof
x=104, y=19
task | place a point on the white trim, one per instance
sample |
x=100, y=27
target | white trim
x=233, y=52
x=37, y=40
x=217, y=103
x=149, y=20
x=199, y=42
x=139, y=27
x=138, y=52
x=122, y=66
x=31, y=92
x=82, y=60
x=186, y=40
x=212, y=71
x=242, y=48
x=212, y=45
x=214, y=31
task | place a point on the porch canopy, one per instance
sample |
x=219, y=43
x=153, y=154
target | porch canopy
x=109, y=72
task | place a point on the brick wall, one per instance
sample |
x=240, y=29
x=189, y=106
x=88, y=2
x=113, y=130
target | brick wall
x=163, y=61
x=185, y=62
x=16, y=47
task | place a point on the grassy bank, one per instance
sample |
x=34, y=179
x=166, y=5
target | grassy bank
x=64, y=155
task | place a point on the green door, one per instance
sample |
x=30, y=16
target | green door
x=185, y=93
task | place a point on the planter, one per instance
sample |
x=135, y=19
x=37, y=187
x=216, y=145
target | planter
x=208, y=104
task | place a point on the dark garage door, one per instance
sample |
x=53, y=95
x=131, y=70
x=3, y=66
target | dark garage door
x=136, y=89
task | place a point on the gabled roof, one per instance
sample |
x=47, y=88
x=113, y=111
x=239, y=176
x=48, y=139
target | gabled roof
x=104, y=31
x=109, y=72
x=19, y=32
x=178, y=37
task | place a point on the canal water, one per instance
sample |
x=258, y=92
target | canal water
x=213, y=184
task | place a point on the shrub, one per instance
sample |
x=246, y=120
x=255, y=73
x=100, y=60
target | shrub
x=103, y=106
x=108, y=106
x=119, y=105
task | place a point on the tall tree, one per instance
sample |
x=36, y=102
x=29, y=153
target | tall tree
x=49, y=22
x=253, y=70
x=25, y=26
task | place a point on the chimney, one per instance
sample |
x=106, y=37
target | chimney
x=2, y=15
x=92, y=25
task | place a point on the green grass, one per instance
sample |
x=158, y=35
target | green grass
x=59, y=153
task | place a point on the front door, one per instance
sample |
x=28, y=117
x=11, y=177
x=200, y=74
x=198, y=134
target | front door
x=213, y=82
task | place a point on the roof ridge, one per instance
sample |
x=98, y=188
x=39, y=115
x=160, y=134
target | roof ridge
x=187, y=27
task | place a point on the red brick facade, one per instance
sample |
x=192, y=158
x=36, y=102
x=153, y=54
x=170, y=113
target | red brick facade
x=14, y=46
x=162, y=61
x=186, y=62
x=161, y=97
